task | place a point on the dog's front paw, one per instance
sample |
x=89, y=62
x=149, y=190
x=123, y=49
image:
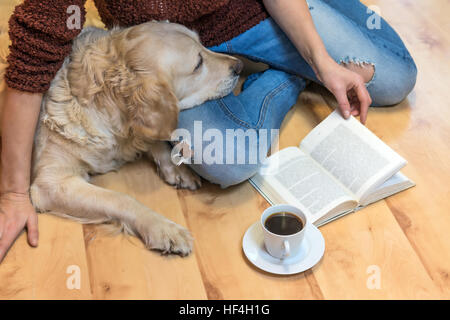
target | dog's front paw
x=180, y=176
x=168, y=237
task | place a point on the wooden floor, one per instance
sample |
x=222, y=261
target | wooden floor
x=407, y=236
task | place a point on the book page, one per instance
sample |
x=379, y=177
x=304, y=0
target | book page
x=300, y=181
x=398, y=182
x=352, y=154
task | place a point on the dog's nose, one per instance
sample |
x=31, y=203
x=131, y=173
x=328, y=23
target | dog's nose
x=237, y=67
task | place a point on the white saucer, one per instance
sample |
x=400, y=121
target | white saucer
x=311, y=251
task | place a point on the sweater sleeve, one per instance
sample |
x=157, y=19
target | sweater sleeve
x=41, y=34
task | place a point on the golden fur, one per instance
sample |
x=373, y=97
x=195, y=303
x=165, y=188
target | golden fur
x=117, y=96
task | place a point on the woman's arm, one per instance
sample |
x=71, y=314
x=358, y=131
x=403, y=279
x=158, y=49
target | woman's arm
x=40, y=40
x=19, y=117
x=294, y=18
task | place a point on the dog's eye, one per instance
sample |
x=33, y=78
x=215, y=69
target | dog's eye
x=200, y=62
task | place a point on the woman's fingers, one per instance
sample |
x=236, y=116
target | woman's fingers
x=350, y=91
x=10, y=234
x=364, y=101
x=342, y=99
x=354, y=103
x=355, y=112
x=33, y=232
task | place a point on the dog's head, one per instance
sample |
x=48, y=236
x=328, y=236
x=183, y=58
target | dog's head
x=195, y=73
x=149, y=72
x=172, y=71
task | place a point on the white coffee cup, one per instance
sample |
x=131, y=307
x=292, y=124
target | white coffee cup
x=283, y=246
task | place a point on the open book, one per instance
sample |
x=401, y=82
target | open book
x=340, y=167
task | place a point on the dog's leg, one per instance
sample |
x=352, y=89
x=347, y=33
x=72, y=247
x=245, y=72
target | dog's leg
x=73, y=196
x=179, y=176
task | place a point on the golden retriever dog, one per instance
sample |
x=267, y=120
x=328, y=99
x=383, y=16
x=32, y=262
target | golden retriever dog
x=117, y=97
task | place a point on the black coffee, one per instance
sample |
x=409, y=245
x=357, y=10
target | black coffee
x=283, y=223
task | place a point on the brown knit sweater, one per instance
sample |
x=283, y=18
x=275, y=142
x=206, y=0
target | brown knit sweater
x=41, y=39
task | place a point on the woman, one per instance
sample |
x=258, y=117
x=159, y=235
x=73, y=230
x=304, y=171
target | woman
x=325, y=41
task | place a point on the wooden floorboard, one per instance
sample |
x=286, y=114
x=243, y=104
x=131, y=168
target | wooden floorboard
x=44, y=272
x=405, y=236
x=120, y=266
x=424, y=137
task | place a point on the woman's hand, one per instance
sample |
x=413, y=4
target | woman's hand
x=18, y=124
x=16, y=213
x=347, y=86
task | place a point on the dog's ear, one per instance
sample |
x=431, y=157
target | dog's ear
x=152, y=108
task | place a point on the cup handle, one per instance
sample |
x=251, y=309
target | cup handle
x=286, y=249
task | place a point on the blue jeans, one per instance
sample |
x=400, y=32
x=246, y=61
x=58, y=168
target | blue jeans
x=268, y=96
